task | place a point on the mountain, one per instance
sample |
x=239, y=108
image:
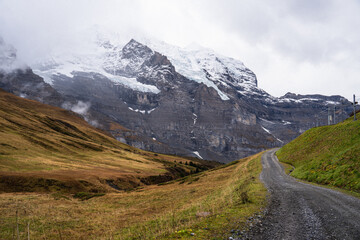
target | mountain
x=17, y=78
x=45, y=148
x=327, y=155
x=190, y=102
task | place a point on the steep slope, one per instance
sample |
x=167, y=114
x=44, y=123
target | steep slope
x=44, y=148
x=327, y=155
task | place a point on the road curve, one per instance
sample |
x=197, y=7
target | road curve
x=302, y=211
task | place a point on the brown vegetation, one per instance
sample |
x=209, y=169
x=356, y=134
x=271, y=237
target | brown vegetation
x=208, y=204
x=44, y=148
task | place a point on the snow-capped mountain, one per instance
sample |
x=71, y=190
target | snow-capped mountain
x=104, y=54
x=114, y=61
x=189, y=101
x=205, y=66
x=17, y=78
x=98, y=57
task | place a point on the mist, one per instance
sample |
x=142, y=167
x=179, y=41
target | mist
x=81, y=108
x=8, y=59
x=293, y=46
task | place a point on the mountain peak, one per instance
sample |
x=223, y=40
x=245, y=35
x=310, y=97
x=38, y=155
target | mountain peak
x=134, y=48
x=206, y=66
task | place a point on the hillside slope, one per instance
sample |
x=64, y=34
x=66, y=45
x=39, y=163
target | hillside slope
x=214, y=204
x=327, y=155
x=45, y=148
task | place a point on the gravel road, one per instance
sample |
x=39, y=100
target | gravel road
x=302, y=211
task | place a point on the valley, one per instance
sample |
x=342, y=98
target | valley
x=151, y=141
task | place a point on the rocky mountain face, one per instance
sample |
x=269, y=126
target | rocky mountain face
x=19, y=79
x=181, y=101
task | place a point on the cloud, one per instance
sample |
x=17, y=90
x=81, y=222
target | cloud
x=312, y=44
x=81, y=108
x=8, y=60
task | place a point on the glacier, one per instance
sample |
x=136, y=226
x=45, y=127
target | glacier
x=102, y=53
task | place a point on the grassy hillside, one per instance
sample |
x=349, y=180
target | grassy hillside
x=44, y=148
x=208, y=204
x=61, y=178
x=327, y=155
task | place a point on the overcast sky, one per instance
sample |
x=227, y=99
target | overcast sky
x=300, y=46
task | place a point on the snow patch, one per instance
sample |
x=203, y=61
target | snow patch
x=195, y=118
x=309, y=99
x=137, y=110
x=332, y=103
x=151, y=110
x=197, y=154
x=270, y=122
x=266, y=130
x=133, y=84
x=142, y=111
x=289, y=100
x=285, y=122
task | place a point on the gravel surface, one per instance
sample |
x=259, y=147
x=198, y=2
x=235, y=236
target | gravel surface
x=303, y=211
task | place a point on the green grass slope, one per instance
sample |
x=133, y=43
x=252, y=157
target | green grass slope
x=327, y=155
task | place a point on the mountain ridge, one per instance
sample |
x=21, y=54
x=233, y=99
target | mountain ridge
x=219, y=114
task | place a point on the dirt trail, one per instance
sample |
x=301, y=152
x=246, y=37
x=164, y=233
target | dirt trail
x=303, y=211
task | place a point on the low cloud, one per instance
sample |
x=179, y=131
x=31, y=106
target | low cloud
x=277, y=39
x=81, y=108
x=8, y=59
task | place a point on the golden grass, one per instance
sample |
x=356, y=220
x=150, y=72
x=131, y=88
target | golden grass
x=42, y=141
x=167, y=211
x=52, y=148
